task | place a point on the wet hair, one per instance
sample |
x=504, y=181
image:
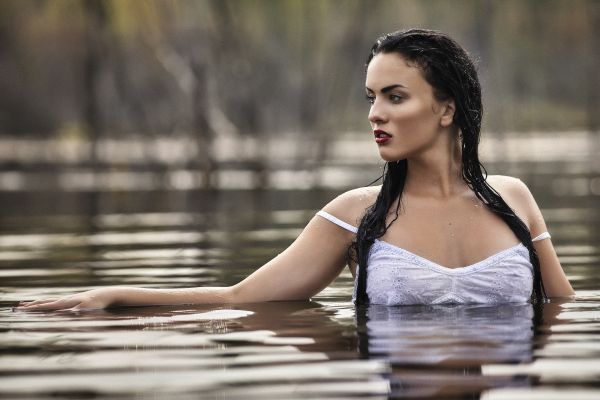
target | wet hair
x=447, y=67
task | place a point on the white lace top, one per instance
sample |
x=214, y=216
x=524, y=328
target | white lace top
x=399, y=277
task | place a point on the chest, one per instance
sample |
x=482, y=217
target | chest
x=397, y=277
x=452, y=233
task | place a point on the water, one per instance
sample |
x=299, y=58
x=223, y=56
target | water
x=53, y=243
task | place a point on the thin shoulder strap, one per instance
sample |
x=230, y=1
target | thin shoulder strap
x=337, y=221
x=541, y=236
x=354, y=229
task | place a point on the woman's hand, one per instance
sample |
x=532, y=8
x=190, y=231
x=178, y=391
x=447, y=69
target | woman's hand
x=89, y=300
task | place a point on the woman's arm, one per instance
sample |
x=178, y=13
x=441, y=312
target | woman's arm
x=518, y=196
x=306, y=267
x=555, y=281
x=114, y=296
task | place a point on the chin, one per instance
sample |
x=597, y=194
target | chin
x=386, y=156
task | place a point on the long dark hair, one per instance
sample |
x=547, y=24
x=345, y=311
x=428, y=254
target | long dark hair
x=446, y=66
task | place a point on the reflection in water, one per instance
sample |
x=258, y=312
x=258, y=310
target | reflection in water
x=298, y=350
x=56, y=243
x=438, y=350
x=449, y=334
x=271, y=350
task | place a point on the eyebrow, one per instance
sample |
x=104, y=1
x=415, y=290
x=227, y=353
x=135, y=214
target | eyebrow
x=390, y=87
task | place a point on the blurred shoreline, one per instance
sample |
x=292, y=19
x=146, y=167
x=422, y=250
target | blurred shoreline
x=134, y=163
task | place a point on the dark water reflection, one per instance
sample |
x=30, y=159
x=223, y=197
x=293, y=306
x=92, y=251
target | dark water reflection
x=57, y=243
x=439, y=350
x=303, y=349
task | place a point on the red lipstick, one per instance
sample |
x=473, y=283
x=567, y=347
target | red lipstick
x=381, y=136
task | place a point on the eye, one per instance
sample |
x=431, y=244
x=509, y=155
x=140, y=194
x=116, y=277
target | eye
x=396, y=98
x=370, y=98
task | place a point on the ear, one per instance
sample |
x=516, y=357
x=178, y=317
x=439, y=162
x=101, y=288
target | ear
x=447, y=116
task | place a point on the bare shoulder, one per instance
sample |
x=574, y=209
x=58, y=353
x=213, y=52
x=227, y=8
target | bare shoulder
x=519, y=198
x=508, y=184
x=517, y=195
x=351, y=205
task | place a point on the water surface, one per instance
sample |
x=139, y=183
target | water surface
x=54, y=243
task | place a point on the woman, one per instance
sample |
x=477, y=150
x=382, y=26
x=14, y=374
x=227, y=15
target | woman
x=436, y=230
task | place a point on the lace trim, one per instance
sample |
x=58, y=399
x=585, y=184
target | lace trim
x=388, y=248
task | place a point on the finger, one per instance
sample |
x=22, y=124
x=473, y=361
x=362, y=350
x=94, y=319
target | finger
x=36, y=302
x=52, y=305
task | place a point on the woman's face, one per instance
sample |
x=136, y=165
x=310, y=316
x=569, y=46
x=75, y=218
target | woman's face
x=405, y=117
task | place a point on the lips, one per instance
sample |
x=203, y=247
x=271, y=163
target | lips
x=381, y=136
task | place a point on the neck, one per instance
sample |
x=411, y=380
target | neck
x=436, y=173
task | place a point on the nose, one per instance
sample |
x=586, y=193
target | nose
x=376, y=114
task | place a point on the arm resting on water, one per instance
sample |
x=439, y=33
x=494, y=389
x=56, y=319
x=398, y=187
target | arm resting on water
x=305, y=268
x=115, y=296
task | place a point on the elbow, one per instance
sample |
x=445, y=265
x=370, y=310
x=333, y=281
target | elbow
x=240, y=293
x=568, y=294
x=562, y=293
x=231, y=294
x=243, y=293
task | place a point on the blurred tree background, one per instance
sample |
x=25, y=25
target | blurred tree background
x=264, y=69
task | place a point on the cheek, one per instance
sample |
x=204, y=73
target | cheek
x=415, y=116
